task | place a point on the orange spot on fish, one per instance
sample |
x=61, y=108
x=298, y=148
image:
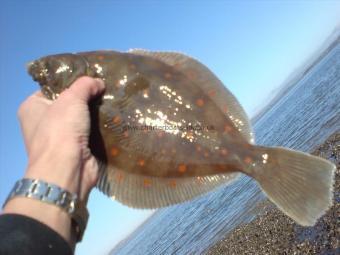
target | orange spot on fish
x=172, y=183
x=206, y=154
x=248, y=160
x=101, y=57
x=212, y=92
x=116, y=119
x=163, y=151
x=198, y=148
x=132, y=66
x=141, y=162
x=147, y=182
x=182, y=168
x=160, y=133
x=117, y=84
x=191, y=74
x=114, y=151
x=190, y=135
x=173, y=151
x=247, y=145
x=225, y=109
x=167, y=76
x=220, y=167
x=119, y=177
x=126, y=134
x=224, y=152
x=227, y=128
x=145, y=92
x=177, y=65
x=200, y=102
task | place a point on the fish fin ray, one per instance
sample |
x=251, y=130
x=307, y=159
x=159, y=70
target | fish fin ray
x=301, y=185
x=130, y=190
x=207, y=82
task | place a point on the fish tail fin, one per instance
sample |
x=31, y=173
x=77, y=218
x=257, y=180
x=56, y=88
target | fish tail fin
x=301, y=185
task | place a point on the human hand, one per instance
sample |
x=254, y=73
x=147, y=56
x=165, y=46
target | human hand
x=56, y=135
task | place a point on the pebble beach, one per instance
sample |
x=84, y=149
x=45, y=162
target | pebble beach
x=274, y=233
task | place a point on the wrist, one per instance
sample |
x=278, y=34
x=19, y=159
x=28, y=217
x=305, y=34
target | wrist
x=64, y=166
x=65, y=176
x=51, y=198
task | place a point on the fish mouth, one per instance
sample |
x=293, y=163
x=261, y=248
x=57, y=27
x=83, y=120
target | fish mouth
x=39, y=74
x=37, y=71
x=32, y=69
x=29, y=65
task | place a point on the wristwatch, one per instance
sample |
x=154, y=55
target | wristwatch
x=53, y=194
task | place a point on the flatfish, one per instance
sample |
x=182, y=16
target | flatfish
x=167, y=130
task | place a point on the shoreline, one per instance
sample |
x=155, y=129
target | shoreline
x=274, y=233
x=299, y=73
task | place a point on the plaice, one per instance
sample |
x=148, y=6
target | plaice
x=167, y=130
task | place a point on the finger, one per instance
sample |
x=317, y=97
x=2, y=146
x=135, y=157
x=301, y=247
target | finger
x=89, y=177
x=30, y=113
x=33, y=104
x=39, y=97
x=38, y=93
x=84, y=89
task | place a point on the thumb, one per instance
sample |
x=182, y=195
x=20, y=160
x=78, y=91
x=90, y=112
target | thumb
x=85, y=88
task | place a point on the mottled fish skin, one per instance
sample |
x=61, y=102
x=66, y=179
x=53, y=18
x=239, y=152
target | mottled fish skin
x=155, y=168
x=144, y=91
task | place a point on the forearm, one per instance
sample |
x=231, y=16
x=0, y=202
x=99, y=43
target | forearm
x=50, y=215
x=56, y=137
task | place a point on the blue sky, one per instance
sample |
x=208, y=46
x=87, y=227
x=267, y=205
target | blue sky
x=252, y=46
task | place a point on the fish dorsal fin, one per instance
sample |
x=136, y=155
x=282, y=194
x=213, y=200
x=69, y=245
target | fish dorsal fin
x=209, y=83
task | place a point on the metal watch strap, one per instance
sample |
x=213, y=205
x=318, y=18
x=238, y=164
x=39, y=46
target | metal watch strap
x=53, y=194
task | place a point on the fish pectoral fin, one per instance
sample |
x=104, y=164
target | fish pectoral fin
x=301, y=185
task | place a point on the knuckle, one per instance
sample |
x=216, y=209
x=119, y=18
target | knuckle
x=22, y=108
